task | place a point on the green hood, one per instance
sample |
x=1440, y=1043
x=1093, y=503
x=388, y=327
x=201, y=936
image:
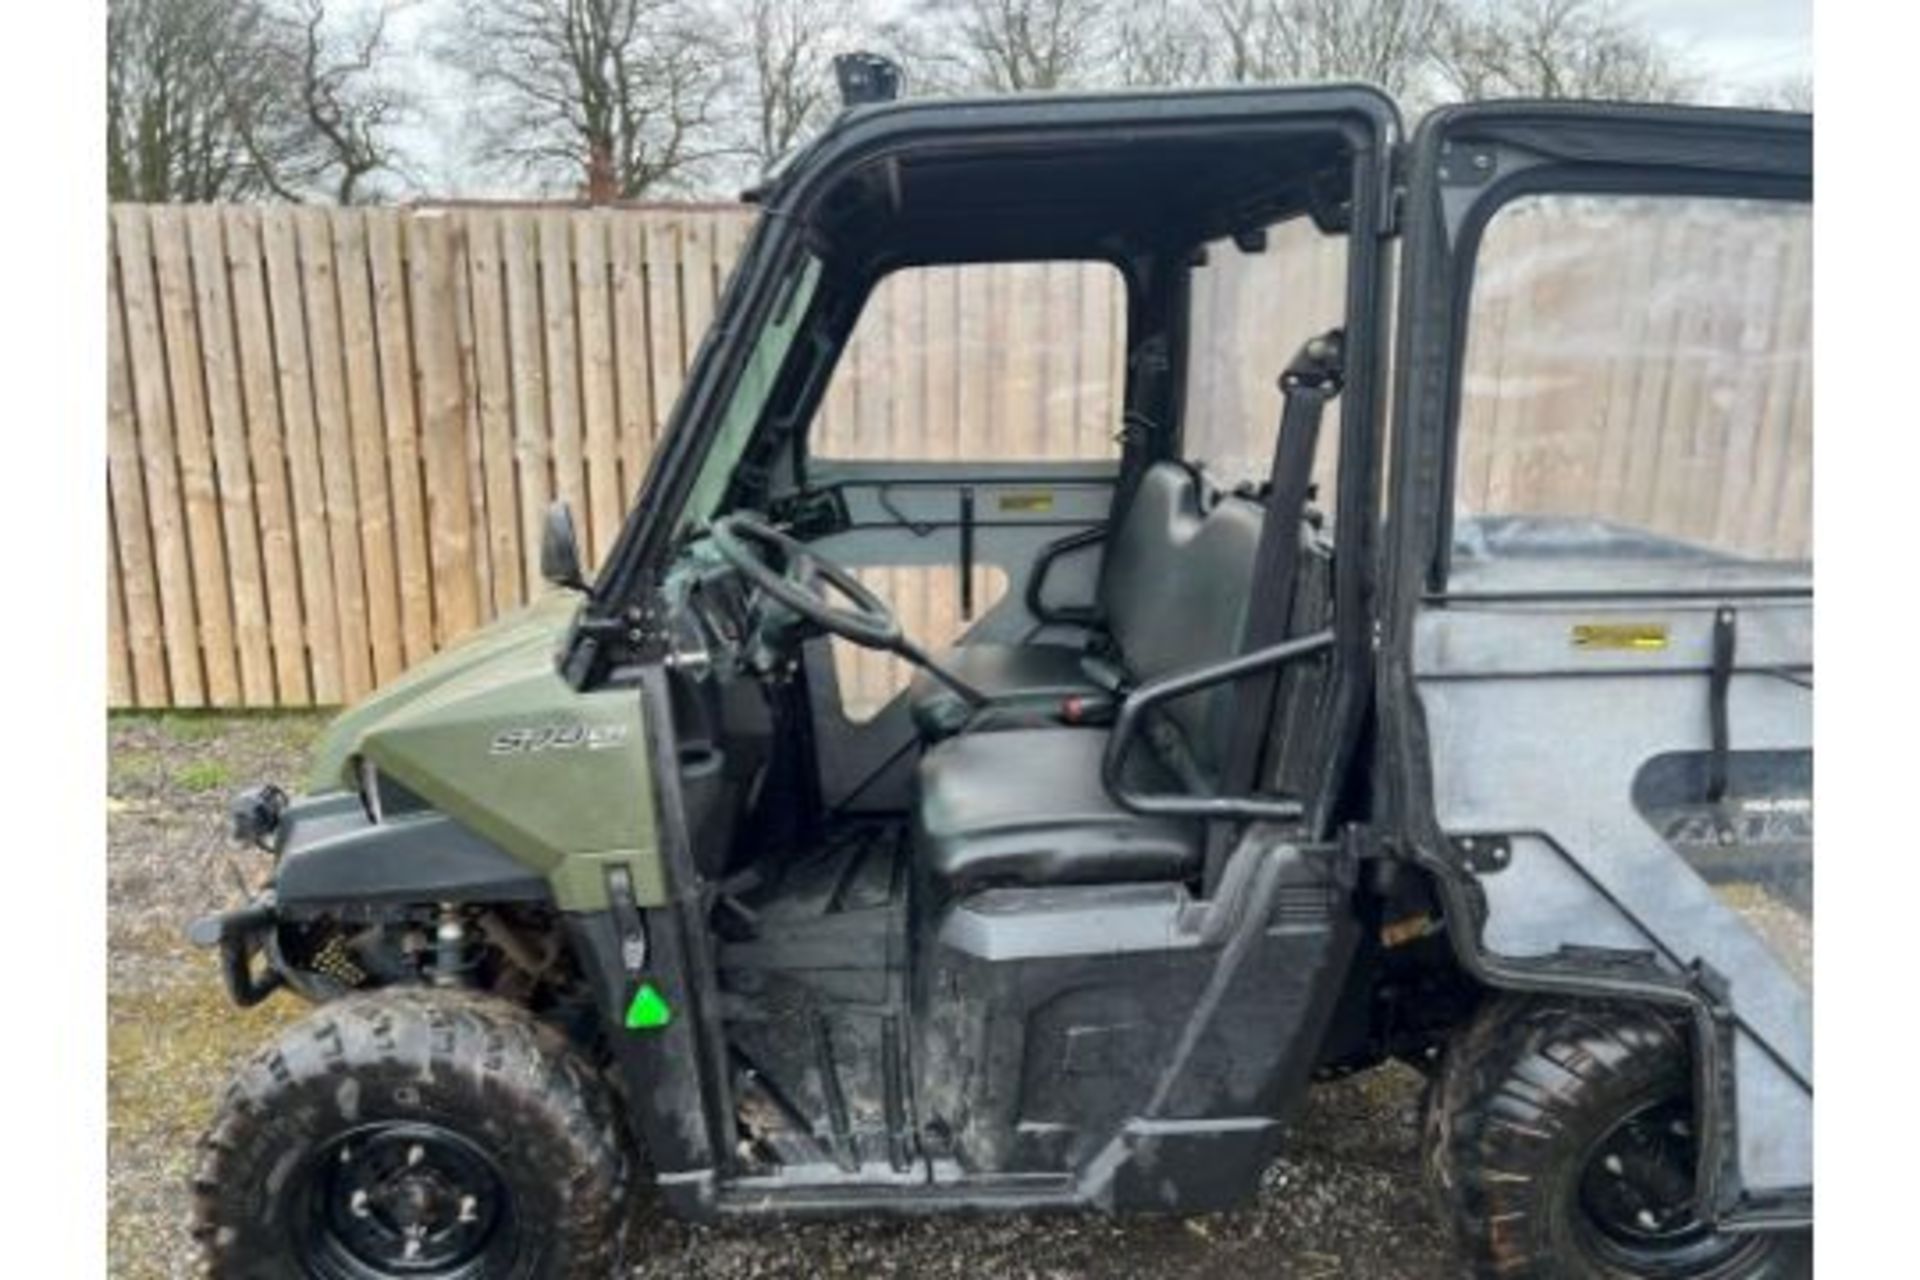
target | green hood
x=488, y=734
x=497, y=653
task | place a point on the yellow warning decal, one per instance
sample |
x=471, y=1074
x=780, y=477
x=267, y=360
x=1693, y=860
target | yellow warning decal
x=1620, y=635
x=1036, y=500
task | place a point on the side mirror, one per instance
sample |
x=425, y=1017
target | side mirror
x=560, y=550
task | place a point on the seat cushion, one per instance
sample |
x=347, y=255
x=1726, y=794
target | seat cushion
x=1026, y=807
x=1024, y=684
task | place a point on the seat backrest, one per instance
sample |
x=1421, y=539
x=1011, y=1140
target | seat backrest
x=1174, y=589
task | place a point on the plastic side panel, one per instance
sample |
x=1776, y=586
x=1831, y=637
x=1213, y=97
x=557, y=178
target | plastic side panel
x=1541, y=740
x=333, y=853
x=1115, y=1034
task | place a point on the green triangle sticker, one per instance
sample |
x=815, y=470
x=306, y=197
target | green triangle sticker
x=649, y=1010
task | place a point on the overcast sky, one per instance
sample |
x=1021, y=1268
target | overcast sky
x=1738, y=45
x=1745, y=43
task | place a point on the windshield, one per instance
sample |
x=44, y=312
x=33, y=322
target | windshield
x=750, y=395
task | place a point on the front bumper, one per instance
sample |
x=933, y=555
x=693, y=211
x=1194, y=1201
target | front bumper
x=243, y=935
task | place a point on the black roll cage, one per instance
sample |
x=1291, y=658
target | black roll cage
x=617, y=627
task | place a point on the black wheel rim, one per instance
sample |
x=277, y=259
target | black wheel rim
x=1636, y=1202
x=412, y=1200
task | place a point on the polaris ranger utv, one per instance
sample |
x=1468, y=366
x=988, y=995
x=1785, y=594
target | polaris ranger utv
x=1383, y=748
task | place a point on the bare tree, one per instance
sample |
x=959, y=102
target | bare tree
x=337, y=130
x=1789, y=93
x=1555, y=49
x=1383, y=42
x=1160, y=43
x=237, y=99
x=782, y=55
x=1006, y=46
x=182, y=95
x=615, y=97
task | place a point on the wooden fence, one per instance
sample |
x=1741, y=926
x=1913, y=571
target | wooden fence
x=332, y=433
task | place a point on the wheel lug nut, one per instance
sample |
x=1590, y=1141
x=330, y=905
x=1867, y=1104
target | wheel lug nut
x=359, y=1204
x=1613, y=1166
x=1647, y=1219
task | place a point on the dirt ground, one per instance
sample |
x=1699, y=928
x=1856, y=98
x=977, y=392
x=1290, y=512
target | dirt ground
x=1344, y=1201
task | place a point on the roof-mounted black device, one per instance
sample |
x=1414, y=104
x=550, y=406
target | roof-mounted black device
x=866, y=77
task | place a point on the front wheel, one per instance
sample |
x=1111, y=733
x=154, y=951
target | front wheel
x=1560, y=1142
x=412, y=1133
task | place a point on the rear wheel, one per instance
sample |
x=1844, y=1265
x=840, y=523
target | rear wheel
x=1560, y=1142
x=411, y=1133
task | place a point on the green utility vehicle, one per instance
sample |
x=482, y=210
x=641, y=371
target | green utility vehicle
x=1308, y=707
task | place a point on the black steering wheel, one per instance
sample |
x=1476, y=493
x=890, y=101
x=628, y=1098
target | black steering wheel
x=785, y=569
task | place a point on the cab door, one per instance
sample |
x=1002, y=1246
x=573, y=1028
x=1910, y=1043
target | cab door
x=1597, y=659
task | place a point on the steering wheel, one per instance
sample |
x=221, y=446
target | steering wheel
x=785, y=569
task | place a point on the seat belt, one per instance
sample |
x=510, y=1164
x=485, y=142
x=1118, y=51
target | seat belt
x=1312, y=379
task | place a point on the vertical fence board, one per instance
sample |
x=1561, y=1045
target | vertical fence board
x=361, y=361
x=1792, y=517
x=133, y=547
x=493, y=387
x=470, y=404
x=1759, y=303
x=696, y=281
x=199, y=493
x=662, y=244
x=119, y=667
x=729, y=239
x=334, y=435
x=606, y=502
x=266, y=454
x=227, y=417
x=1788, y=389
x=532, y=453
x=307, y=487
x=393, y=326
x=633, y=387
x=1610, y=482
x=561, y=325
x=434, y=258
x=147, y=362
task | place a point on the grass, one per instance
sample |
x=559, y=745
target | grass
x=189, y=727
x=169, y=1052
x=173, y=1036
x=203, y=775
x=134, y=766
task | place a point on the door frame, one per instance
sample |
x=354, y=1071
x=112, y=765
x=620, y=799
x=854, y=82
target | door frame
x=1464, y=164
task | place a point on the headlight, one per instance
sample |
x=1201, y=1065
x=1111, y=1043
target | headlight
x=254, y=815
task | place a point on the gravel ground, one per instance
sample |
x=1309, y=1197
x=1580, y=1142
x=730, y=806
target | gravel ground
x=1344, y=1201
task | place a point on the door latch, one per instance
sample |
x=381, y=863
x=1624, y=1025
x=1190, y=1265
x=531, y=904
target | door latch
x=626, y=921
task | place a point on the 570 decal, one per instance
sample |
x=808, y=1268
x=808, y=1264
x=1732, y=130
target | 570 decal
x=557, y=737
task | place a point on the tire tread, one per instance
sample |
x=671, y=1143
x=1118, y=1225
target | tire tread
x=503, y=1054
